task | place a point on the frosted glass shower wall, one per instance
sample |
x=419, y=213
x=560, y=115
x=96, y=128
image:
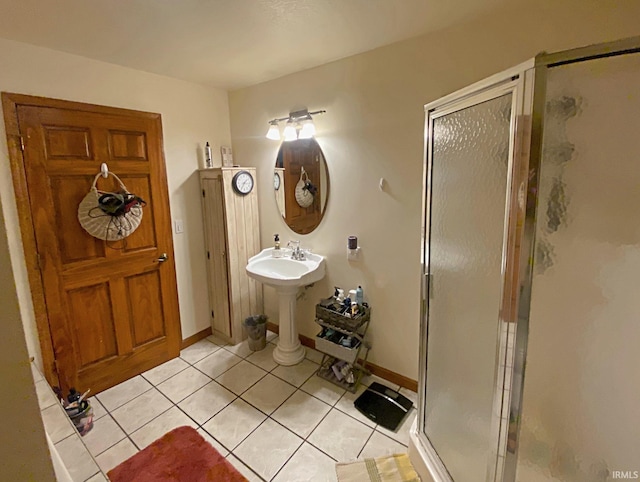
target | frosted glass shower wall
x=531, y=308
x=581, y=409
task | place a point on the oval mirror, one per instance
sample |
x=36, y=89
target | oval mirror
x=301, y=184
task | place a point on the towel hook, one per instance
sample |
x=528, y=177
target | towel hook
x=104, y=170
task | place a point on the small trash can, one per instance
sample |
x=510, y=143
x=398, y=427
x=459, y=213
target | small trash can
x=256, y=327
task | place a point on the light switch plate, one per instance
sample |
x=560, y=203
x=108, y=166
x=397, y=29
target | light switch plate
x=179, y=226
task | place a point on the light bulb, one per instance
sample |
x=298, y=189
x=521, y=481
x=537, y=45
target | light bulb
x=273, y=133
x=290, y=133
x=308, y=130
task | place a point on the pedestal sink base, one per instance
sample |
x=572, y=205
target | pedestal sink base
x=289, y=350
x=289, y=358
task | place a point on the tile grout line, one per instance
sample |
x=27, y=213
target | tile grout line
x=267, y=416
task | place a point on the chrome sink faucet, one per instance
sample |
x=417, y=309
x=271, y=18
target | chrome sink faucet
x=296, y=253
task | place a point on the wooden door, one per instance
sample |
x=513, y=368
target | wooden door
x=110, y=309
x=296, y=155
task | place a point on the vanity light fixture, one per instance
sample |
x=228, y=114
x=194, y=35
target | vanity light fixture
x=299, y=126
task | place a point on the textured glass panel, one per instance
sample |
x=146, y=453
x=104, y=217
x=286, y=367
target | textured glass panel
x=469, y=181
x=581, y=406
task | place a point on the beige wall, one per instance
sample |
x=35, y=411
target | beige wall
x=373, y=129
x=24, y=452
x=191, y=115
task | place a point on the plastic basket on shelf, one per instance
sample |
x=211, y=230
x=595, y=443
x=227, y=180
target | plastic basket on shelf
x=342, y=321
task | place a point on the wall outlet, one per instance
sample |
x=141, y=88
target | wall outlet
x=178, y=226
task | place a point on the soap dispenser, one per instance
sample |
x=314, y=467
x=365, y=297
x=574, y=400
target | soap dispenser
x=277, y=252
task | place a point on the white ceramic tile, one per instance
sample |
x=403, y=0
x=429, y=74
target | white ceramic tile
x=77, y=459
x=268, y=448
x=296, y=374
x=180, y=386
x=308, y=463
x=198, y=351
x=56, y=423
x=240, y=377
x=139, y=411
x=271, y=336
x=104, y=434
x=172, y=418
x=117, y=454
x=98, y=478
x=217, y=340
x=234, y=423
x=314, y=355
x=120, y=394
x=264, y=358
x=213, y=442
x=301, y=413
x=340, y=436
x=323, y=389
x=345, y=404
x=46, y=398
x=411, y=395
x=402, y=432
x=380, y=445
x=269, y=393
x=217, y=363
x=37, y=376
x=274, y=340
x=241, y=349
x=206, y=402
x=243, y=469
x=98, y=409
x=160, y=373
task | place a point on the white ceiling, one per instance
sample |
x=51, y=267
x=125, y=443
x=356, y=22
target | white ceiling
x=226, y=43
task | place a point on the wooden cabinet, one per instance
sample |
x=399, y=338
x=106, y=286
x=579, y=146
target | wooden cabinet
x=232, y=236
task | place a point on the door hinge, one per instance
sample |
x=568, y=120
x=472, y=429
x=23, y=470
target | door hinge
x=203, y=193
x=21, y=143
x=208, y=255
x=212, y=315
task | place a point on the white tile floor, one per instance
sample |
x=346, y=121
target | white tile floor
x=273, y=423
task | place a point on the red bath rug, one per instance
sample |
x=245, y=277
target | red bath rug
x=181, y=455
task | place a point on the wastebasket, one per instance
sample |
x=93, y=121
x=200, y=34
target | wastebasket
x=256, y=327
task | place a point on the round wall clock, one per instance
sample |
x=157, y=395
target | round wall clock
x=242, y=182
x=276, y=181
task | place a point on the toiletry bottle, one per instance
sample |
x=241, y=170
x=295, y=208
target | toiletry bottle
x=277, y=252
x=359, y=295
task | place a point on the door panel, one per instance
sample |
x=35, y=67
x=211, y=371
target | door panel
x=144, y=236
x=111, y=307
x=128, y=145
x=75, y=245
x=93, y=331
x=67, y=142
x=144, y=290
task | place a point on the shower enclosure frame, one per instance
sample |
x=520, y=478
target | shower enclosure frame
x=527, y=81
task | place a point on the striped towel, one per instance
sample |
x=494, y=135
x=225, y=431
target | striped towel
x=392, y=468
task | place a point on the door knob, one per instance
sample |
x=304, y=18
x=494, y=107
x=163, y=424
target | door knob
x=163, y=257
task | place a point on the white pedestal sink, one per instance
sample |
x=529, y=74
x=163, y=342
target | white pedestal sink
x=287, y=276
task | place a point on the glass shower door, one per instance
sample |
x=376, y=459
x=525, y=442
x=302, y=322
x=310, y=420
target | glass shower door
x=470, y=159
